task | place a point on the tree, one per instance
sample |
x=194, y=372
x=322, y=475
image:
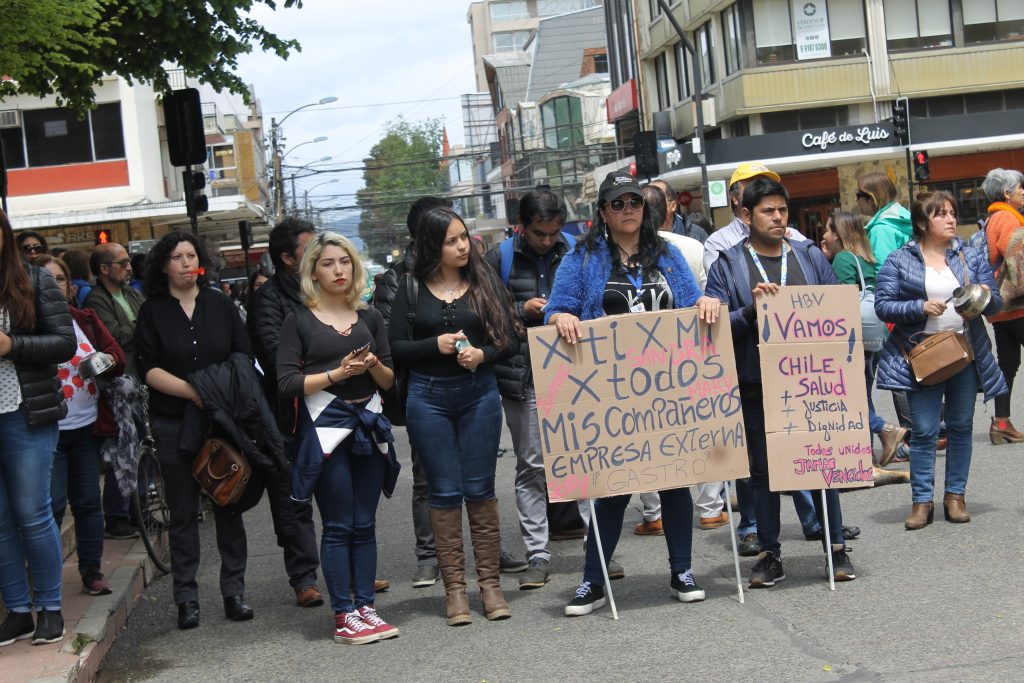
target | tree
x=402, y=167
x=64, y=47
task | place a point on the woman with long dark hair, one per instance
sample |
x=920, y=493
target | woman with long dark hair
x=185, y=326
x=35, y=335
x=463, y=322
x=847, y=247
x=623, y=266
x=333, y=355
x=76, y=466
x=915, y=286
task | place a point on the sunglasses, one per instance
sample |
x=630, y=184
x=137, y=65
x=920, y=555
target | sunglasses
x=33, y=248
x=618, y=205
x=863, y=195
x=123, y=262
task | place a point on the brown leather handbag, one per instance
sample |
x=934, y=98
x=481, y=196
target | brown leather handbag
x=939, y=357
x=222, y=471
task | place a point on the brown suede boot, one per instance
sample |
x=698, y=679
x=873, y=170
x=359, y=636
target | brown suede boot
x=955, y=508
x=1002, y=431
x=891, y=437
x=485, y=531
x=451, y=559
x=921, y=515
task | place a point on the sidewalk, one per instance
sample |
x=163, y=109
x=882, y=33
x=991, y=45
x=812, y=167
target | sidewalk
x=91, y=623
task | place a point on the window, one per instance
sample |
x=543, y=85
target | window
x=682, y=71
x=601, y=63
x=51, y=137
x=220, y=159
x=846, y=27
x=957, y=105
x=739, y=128
x=562, y=119
x=509, y=10
x=989, y=20
x=546, y=8
x=654, y=8
x=661, y=78
x=773, y=35
x=804, y=119
x=971, y=203
x=915, y=24
x=732, y=37
x=704, y=46
x=510, y=41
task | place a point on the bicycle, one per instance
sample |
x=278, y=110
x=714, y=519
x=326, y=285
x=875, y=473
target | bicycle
x=151, y=514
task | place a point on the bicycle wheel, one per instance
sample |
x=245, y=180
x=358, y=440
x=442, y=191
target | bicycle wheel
x=149, y=507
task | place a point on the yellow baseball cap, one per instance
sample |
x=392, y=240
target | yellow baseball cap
x=751, y=169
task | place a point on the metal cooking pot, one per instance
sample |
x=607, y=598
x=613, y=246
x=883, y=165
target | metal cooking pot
x=969, y=301
x=96, y=363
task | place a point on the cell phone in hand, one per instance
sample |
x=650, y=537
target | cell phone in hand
x=462, y=345
x=361, y=350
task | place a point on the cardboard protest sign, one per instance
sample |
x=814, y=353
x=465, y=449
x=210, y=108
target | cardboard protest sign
x=642, y=402
x=815, y=397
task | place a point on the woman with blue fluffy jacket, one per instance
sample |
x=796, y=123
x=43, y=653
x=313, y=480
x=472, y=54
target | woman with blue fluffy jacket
x=913, y=291
x=623, y=266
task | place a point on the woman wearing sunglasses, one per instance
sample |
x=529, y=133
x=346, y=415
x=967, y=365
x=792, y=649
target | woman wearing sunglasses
x=623, y=266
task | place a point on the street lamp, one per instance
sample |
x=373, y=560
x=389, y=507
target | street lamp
x=295, y=173
x=305, y=194
x=275, y=144
x=320, y=138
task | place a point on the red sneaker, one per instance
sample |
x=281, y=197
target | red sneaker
x=350, y=628
x=382, y=628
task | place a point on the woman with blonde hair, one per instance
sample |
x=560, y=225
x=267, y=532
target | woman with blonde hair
x=889, y=227
x=334, y=356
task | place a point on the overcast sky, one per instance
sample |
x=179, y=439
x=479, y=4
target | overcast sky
x=366, y=54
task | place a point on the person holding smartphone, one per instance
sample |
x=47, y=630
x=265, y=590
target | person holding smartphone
x=333, y=359
x=454, y=410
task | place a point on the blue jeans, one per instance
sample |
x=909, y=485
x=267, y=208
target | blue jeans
x=676, y=518
x=960, y=391
x=347, y=494
x=454, y=424
x=767, y=503
x=76, y=479
x=27, y=529
x=745, y=502
x=875, y=421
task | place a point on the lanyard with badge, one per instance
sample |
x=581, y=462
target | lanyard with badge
x=760, y=268
x=638, y=284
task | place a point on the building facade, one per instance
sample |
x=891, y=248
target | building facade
x=808, y=86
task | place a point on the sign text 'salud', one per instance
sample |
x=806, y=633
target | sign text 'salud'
x=815, y=398
x=642, y=402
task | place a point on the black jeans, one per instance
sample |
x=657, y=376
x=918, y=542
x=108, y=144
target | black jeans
x=293, y=526
x=182, y=493
x=1009, y=338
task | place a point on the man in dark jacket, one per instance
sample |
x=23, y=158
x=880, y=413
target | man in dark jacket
x=426, y=553
x=117, y=306
x=759, y=266
x=527, y=262
x=681, y=225
x=279, y=296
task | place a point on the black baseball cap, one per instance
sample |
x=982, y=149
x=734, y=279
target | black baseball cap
x=616, y=184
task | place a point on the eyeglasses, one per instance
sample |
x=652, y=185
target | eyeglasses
x=33, y=248
x=618, y=205
x=863, y=195
x=123, y=262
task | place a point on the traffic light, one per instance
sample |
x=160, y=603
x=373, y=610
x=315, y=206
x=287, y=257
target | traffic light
x=921, y=172
x=102, y=237
x=901, y=121
x=645, y=150
x=245, y=234
x=196, y=202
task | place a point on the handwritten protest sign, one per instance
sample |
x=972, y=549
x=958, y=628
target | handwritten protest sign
x=815, y=398
x=642, y=402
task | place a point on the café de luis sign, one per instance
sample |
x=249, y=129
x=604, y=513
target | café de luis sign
x=864, y=135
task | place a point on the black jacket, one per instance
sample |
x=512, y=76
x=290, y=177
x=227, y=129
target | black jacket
x=384, y=293
x=36, y=353
x=514, y=373
x=235, y=403
x=271, y=305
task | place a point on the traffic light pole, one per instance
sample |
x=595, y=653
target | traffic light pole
x=910, y=177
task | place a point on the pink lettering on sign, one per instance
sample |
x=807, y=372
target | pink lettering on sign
x=546, y=403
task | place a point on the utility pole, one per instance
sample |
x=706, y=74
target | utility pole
x=275, y=149
x=698, y=94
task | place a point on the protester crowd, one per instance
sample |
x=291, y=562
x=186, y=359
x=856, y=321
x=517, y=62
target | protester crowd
x=305, y=380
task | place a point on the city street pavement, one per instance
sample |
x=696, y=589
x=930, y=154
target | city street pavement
x=938, y=604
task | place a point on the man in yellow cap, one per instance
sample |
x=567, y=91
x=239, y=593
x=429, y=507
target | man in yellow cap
x=737, y=230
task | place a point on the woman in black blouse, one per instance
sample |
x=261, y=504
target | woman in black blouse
x=334, y=355
x=464, y=321
x=183, y=327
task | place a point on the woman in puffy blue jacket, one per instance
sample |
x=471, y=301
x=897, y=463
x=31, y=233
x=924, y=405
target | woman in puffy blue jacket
x=912, y=292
